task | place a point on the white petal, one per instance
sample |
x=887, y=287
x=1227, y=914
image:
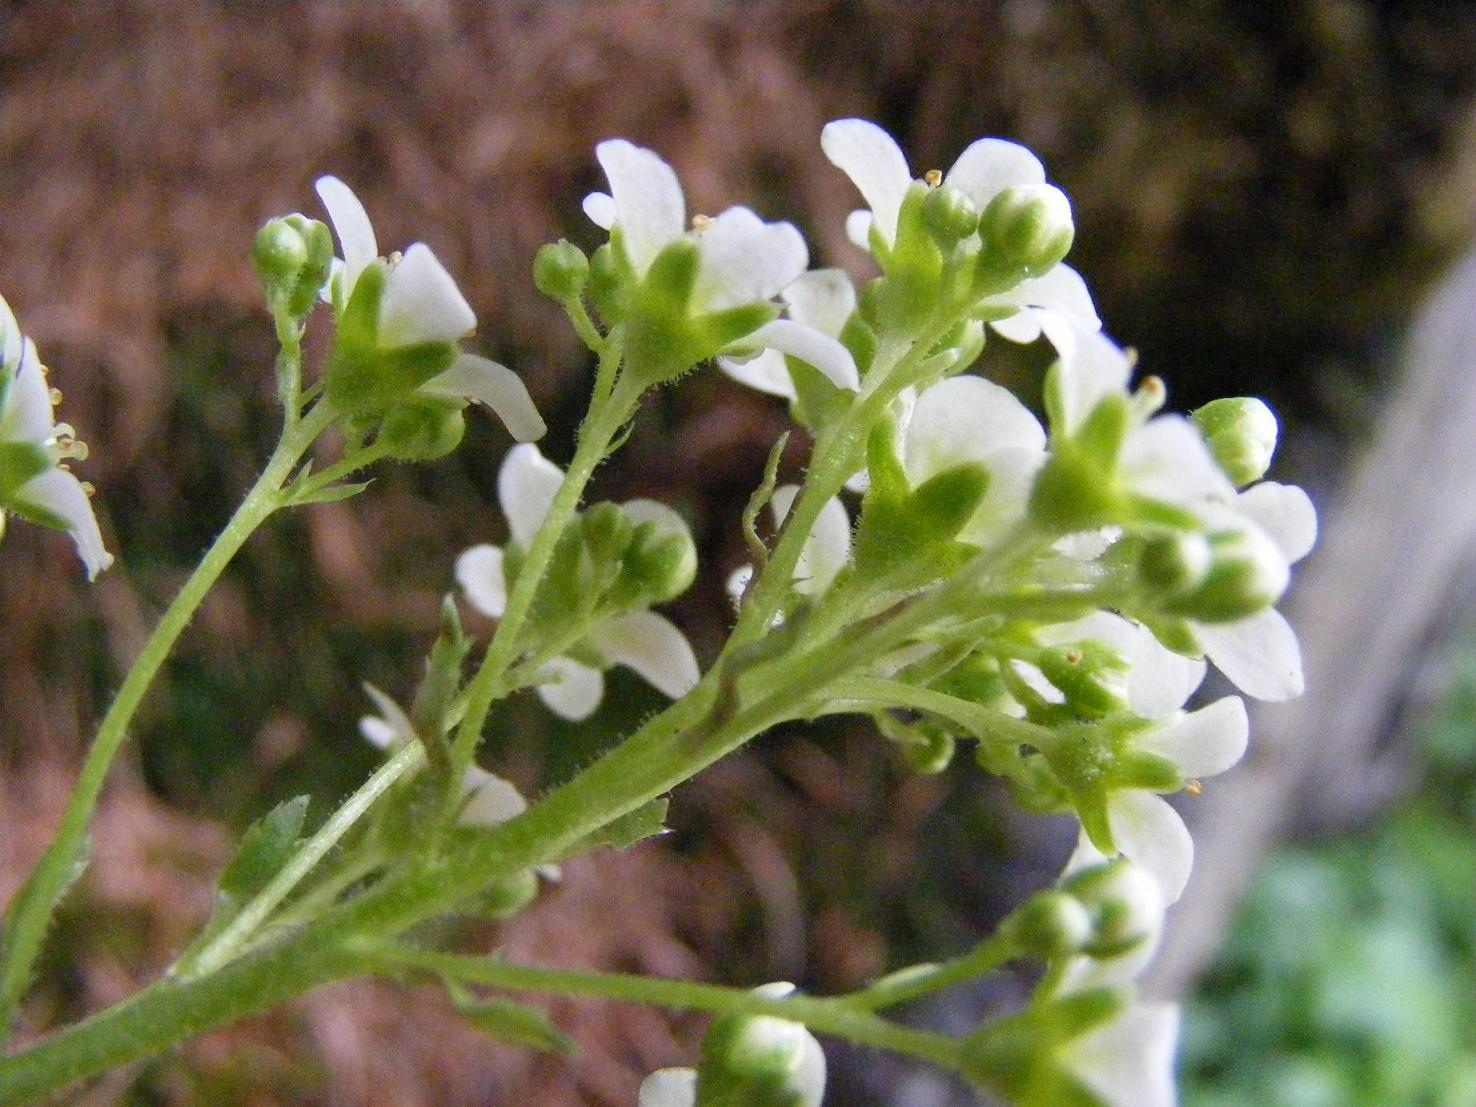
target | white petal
x=1012, y=475
x=823, y=299
x=574, y=690
x=766, y=371
x=875, y=164
x=1087, y=545
x=27, y=414
x=355, y=232
x=991, y=165
x=485, y=381
x=647, y=199
x=600, y=207
x=1059, y=291
x=1129, y=1060
x=10, y=337
x=526, y=486
x=667, y=520
x=965, y=419
x=1285, y=513
x=858, y=228
x=480, y=574
x=378, y=732
x=813, y=348
x=1023, y=327
x=1149, y=833
x=401, y=729
x=61, y=494
x=422, y=303
x=1166, y=459
x=669, y=1088
x=1161, y=680
x=745, y=260
x=1259, y=655
x=825, y=552
x=737, y=582
x=1092, y=366
x=653, y=647
x=1203, y=742
x=492, y=800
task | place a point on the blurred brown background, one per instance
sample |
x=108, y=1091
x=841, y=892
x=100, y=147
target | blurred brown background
x=1262, y=194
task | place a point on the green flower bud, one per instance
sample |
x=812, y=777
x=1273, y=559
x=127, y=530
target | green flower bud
x=1091, y=675
x=292, y=255
x=1247, y=575
x=660, y=563
x=1125, y=903
x=950, y=215
x=760, y=1061
x=605, y=288
x=504, y=898
x=1027, y=228
x=607, y=532
x=1050, y=925
x=1175, y=563
x=422, y=428
x=561, y=270
x=1241, y=433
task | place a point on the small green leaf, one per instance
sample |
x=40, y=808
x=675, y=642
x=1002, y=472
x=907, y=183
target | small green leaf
x=510, y=1022
x=330, y=494
x=265, y=847
x=646, y=821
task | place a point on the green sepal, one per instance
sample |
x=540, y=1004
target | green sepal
x=818, y=402
x=266, y=847
x=607, y=532
x=20, y=463
x=330, y=494
x=1014, y=1057
x=944, y=503
x=745, y=1066
x=884, y=467
x=1103, y=431
x=608, y=282
x=646, y=821
x=504, y=898
x=514, y=1023
x=1071, y=494
x=443, y=672
x=1091, y=675
x=892, y=533
x=926, y=748
x=658, y=566
x=362, y=379
x=1173, y=634
x=560, y=270
x=1136, y=769
x=860, y=339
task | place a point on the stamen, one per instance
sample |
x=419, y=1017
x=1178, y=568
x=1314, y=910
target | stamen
x=933, y=178
x=56, y=397
x=1074, y=657
x=89, y=488
x=1194, y=788
x=700, y=223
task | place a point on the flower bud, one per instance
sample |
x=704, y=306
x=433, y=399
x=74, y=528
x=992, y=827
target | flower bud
x=1240, y=432
x=760, y=1061
x=422, y=428
x=1125, y=903
x=1247, y=575
x=1091, y=675
x=1175, y=563
x=292, y=256
x=607, y=532
x=561, y=270
x=1049, y=925
x=950, y=215
x=1028, y=227
x=660, y=563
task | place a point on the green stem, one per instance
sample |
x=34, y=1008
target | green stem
x=980, y=721
x=228, y=943
x=359, y=459
x=836, y=1017
x=31, y=912
x=923, y=980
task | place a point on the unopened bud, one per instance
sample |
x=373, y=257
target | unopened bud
x=1241, y=433
x=292, y=256
x=1125, y=903
x=1175, y=563
x=422, y=428
x=660, y=563
x=950, y=215
x=1247, y=575
x=1049, y=925
x=1029, y=226
x=760, y=1061
x=607, y=532
x=561, y=270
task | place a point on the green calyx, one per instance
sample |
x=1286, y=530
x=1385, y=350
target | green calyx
x=293, y=256
x=561, y=271
x=422, y=428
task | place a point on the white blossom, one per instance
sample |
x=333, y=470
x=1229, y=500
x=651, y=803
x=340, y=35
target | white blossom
x=643, y=641
x=34, y=480
x=817, y=304
x=1127, y=1061
x=421, y=303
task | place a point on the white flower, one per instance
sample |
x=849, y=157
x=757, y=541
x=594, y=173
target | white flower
x=34, y=483
x=642, y=641
x=490, y=800
x=878, y=168
x=1130, y=901
x=421, y=303
x=1127, y=1061
x=818, y=304
x=823, y=554
x=1144, y=827
x=742, y=259
x=970, y=419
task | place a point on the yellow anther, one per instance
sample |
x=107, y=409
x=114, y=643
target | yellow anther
x=1074, y=657
x=1153, y=388
x=56, y=396
x=89, y=488
x=700, y=223
x=933, y=177
x=1194, y=787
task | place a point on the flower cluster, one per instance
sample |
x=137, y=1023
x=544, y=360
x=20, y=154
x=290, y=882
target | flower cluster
x=35, y=481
